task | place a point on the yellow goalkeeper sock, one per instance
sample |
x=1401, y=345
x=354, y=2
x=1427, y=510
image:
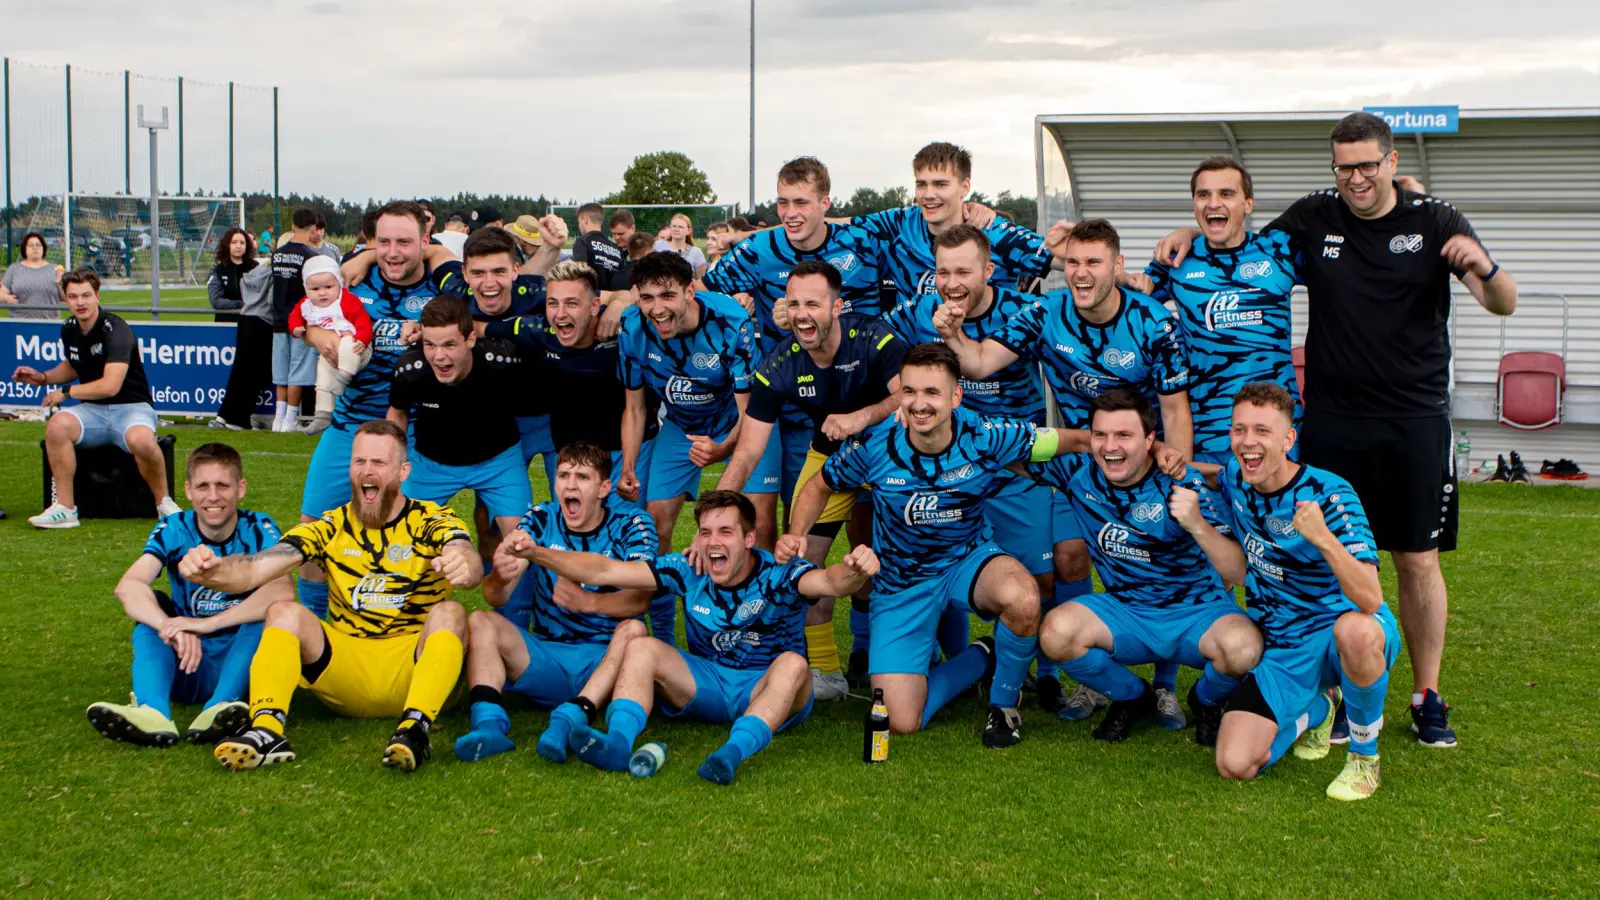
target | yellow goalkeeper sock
x=274, y=674
x=438, y=670
x=822, y=648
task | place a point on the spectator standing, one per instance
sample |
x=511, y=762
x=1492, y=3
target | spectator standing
x=622, y=227
x=454, y=235
x=608, y=260
x=264, y=242
x=234, y=259
x=32, y=280
x=252, y=354
x=294, y=363
x=680, y=240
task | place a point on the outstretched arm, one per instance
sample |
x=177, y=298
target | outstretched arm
x=241, y=572
x=584, y=568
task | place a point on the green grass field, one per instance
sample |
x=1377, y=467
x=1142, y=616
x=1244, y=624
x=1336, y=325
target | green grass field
x=1514, y=811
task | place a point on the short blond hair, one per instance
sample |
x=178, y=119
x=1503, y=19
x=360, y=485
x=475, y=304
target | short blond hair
x=574, y=270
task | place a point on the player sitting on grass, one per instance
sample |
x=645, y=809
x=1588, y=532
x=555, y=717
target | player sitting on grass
x=393, y=641
x=744, y=618
x=567, y=656
x=197, y=643
x=1313, y=588
x=1162, y=599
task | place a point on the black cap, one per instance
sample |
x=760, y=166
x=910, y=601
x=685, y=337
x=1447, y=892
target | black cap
x=483, y=215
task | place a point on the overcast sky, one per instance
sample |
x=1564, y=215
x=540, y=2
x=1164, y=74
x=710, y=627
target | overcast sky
x=411, y=98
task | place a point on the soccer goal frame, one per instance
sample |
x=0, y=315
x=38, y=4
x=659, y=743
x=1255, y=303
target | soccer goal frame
x=113, y=234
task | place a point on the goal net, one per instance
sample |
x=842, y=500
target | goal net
x=111, y=234
x=652, y=218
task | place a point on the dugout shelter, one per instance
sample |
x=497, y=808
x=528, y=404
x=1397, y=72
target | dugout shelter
x=1528, y=179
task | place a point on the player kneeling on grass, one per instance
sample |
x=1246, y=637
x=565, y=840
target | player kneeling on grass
x=393, y=641
x=1162, y=599
x=197, y=643
x=1312, y=587
x=745, y=622
x=567, y=658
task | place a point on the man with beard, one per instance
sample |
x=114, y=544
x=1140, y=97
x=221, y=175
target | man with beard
x=564, y=651
x=964, y=269
x=743, y=620
x=1092, y=337
x=455, y=387
x=394, y=293
x=842, y=372
x=393, y=641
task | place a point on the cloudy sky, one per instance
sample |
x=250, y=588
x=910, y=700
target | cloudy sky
x=406, y=97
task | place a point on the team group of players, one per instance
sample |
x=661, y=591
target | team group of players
x=1175, y=471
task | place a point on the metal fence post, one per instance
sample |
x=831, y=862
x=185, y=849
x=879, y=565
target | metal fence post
x=7, y=91
x=277, y=215
x=180, y=135
x=230, y=141
x=127, y=133
x=69, y=145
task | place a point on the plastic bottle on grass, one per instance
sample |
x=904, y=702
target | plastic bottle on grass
x=875, y=745
x=648, y=760
x=1463, y=455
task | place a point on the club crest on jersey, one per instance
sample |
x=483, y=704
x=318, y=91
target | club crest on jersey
x=749, y=608
x=958, y=474
x=413, y=305
x=1148, y=512
x=682, y=391
x=1280, y=528
x=1119, y=359
x=1405, y=243
x=923, y=509
x=705, y=360
x=1256, y=269
x=398, y=553
x=844, y=262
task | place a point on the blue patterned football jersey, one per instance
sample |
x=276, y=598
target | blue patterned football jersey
x=905, y=250
x=177, y=534
x=760, y=265
x=1291, y=590
x=1233, y=310
x=1140, y=553
x=695, y=375
x=746, y=626
x=1140, y=349
x=927, y=509
x=627, y=534
x=1014, y=392
x=390, y=307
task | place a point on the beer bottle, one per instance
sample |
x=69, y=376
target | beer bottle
x=875, y=743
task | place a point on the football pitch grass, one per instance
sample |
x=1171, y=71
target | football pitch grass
x=1513, y=811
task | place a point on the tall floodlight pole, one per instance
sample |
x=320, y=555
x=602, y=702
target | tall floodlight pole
x=155, y=213
x=752, y=106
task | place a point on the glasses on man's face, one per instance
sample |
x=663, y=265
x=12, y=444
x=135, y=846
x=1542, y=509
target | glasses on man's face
x=1346, y=171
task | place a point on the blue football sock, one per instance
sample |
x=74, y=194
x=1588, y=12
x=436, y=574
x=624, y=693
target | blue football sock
x=233, y=679
x=1364, y=707
x=664, y=619
x=1214, y=687
x=859, y=631
x=1166, y=676
x=955, y=631
x=313, y=596
x=154, y=666
x=563, y=719
x=1098, y=670
x=951, y=677
x=609, y=750
x=1068, y=590
x=1013, y=653
x=1290, y=732
x=748, y=737
x=490, y=724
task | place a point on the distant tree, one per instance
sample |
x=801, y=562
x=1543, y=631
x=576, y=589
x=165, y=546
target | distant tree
x=664, y=177
x=1022, y=210
x=866, y=200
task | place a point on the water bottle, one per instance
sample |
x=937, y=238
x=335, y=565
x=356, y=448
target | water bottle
x=1463, y=455
x=875, y=745
x=648, y=760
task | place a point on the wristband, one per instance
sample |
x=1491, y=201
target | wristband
x=67, y=392
x=1492, y=272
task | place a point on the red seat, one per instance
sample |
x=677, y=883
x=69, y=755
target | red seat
x=1297, y=355
x=1530, y=385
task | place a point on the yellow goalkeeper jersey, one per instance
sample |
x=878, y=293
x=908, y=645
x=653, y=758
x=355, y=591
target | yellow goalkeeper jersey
x=380, y=580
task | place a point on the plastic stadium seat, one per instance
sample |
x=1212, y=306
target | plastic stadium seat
x=1297, y=355
x=1529, y=389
